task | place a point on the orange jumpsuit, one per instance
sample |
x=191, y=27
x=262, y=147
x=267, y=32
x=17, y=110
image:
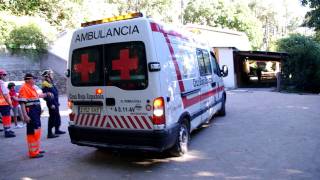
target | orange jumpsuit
x=29, y=96
x=5, y=109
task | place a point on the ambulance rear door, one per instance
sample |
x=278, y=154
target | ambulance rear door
x=129, y=92
x=110, y=73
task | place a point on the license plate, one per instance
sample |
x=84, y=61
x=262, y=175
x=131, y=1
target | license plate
x=89, y=110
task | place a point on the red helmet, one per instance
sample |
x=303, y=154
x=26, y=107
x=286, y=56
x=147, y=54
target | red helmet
x=3, y=72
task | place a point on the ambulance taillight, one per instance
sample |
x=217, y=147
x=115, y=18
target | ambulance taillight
x=158, y=111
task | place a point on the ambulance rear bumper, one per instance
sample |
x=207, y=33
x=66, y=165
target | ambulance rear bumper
x=155, y=140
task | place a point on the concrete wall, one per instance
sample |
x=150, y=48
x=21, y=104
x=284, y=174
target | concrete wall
x=225, y=57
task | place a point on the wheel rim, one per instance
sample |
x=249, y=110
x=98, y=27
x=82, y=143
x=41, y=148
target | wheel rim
x=183, y=139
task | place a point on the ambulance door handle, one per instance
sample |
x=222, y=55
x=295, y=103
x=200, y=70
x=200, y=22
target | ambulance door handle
x=214, y=84
x=110, y=102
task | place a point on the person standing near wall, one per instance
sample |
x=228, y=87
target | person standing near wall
x=52, y=103
x=5, y=106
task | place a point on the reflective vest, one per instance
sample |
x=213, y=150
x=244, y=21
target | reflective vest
x=3, y=101
x=28, y=95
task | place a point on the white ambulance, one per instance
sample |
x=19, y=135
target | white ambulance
x=135, y=84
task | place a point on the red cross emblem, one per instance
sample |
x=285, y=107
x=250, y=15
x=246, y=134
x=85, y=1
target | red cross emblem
x=85, y=67
x=125, y=64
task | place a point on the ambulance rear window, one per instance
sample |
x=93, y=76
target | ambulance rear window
x=86, y=67
x=126, y=65
x=123, y=65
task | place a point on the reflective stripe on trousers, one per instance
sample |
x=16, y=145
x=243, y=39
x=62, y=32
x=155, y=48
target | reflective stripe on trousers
x=33, y=141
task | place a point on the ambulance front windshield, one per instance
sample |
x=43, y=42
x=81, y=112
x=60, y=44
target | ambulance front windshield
x=123, y=65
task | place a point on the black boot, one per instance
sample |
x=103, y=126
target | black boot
x=9, y=134
x=37, y=156
x=60, y=132
x=50, y=136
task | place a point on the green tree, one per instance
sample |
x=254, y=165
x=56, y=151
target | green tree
x=236, y=16
x=27, y=37
x=6, y=26
x=302, y=67
x=149, y=7
x=317, y=36
x=312, y=17
x=58, y=13
x=278, y=20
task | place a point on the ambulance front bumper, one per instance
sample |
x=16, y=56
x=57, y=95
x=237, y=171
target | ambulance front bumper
x=155, y=140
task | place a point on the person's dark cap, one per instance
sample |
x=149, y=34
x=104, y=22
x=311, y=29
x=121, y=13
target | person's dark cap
x=29, y=76
x=10, y=85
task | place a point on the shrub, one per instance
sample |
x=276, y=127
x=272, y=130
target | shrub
x=27, y=37
x=301, y=70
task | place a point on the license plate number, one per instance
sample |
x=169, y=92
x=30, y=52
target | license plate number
x=89, y=110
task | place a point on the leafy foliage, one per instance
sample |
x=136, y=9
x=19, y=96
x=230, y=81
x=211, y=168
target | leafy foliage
x=312, y=17
x=302, y=68
x=235, y=16
x=58, y=13
x=258, y=19
x=27, y=37
x=149, y=7
x=6, y=26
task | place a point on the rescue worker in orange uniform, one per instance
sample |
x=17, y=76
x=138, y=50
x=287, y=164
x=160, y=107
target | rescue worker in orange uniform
x=31, y=110
x=5, y=106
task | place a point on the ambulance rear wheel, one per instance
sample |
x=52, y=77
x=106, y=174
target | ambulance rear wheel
x=182, y=142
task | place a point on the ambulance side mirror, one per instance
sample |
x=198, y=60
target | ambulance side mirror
x=67, y=73
x=154, y=66
x=224, y=70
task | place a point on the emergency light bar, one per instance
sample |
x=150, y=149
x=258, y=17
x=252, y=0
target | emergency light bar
x=114, y=18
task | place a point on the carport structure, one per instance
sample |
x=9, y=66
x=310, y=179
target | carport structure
x=257, y=68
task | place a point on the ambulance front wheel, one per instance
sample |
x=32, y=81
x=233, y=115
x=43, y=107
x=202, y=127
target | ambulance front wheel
x=182, y=141
x=222, y=111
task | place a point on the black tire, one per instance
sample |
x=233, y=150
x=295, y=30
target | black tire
x=182, y=141
x=222, y=111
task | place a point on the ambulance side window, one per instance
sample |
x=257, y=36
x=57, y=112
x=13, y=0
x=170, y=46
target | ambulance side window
x=188, y=62
x=215, y=65
x=207, y=62
x=204, y=62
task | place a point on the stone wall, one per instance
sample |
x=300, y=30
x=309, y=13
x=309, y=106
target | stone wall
x=18, y=62
x=17, y=65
